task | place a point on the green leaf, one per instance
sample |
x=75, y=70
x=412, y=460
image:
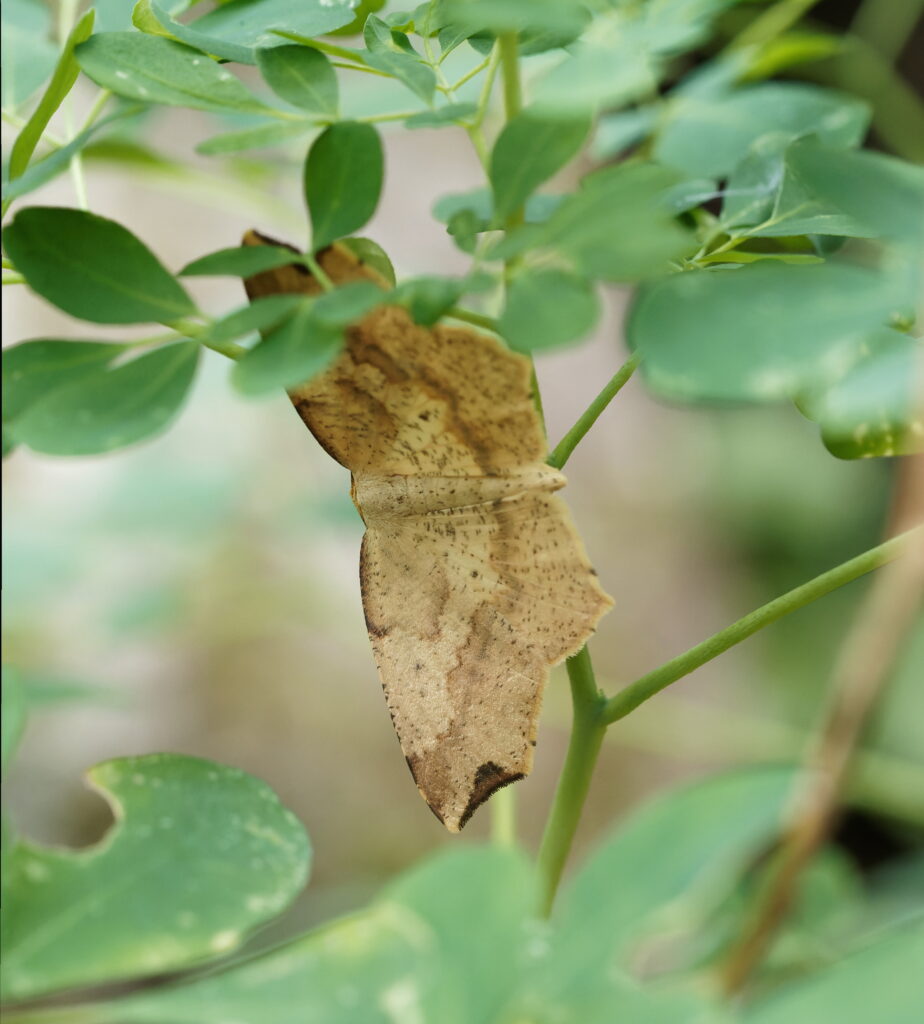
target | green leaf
x=259, y=137
x=343, y=180
x=92, y=268
x=373, y=967
x=875, y=407
x=406, y=69
x=346, y=304
x=302, y=76
x=111, y=408
x=675, y=849
x=13, y=719
x=451, y=114
x=878, y=191
x=757, y=332
x=707, y=135
x=242, y=261
x=199, y=854
x=594, y=77
x=239, y=29
x=62, y=81
x=880, y=982
x=59, y=160
x=294, y=352
x=789, y=49
x=262, y=314
x=497, y=16
x=429, y=297
x=158, y=70
x=486, y=893
x=27, y=54
x=372, y=255
x=33, y=369
x=546, y=308
x=616, y=227
x=528, y=151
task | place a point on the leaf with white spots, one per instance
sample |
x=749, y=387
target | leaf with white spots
x=877, y=406
x=377, y=967
x=761, y=332
x=158, y=70
x=108, y=407
x=199, y=855
x=443, y=943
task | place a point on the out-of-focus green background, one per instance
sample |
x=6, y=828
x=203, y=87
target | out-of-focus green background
x=205, y=584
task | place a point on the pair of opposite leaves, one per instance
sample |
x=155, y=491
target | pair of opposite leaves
x=474, y=579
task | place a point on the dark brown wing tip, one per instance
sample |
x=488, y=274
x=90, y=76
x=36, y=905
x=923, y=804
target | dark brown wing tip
x=489, y=778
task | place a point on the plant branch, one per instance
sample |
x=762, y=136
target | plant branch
x=637, y=693
x=470, y=317
x=587, y=732
x=591, y=414
x=885, y=618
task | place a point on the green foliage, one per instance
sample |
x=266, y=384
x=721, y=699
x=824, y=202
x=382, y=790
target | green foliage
x=546, y=308
x=801, y=287
x=881, y=981
x=157, y=70
x=296, y=350
x=27, y=55
x=13, y=718
x=121, y=909
x=106, y=406
x=343, y=180
x=528, y=152
x=244, y=261
x=62, y=81
x=759, y=332
x=238, y=30
x=301, y=76
x=93, y=268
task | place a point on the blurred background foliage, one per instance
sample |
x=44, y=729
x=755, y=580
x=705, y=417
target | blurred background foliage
x=198, y=593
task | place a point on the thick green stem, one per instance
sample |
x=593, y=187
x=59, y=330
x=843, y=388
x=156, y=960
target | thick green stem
x=471, y=317
x=591, y=414
x=631, y=697
x=587, y=732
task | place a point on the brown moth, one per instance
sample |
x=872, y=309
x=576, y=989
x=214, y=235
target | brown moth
x=474, y=579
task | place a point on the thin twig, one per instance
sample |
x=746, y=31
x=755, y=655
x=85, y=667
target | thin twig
x=862, y=672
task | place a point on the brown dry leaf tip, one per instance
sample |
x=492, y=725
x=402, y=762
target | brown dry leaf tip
x=474, y=579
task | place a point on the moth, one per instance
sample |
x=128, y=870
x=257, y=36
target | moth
x=474, y=579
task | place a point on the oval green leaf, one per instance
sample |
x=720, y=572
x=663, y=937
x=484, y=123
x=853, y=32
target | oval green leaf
x=199, y=854
x=242, y=261
x=546, y=308
x=343, y=180
x=33, y=369
x=756, y=332
x=528, y=151
x=301, y=76
x=105, y=409
x=158, y=70
x=295, y=351
x=92, y=268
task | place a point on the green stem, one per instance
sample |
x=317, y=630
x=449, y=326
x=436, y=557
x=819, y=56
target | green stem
x=504, y=817
x=470, y=317
x=318, y=272
x=587, y=732
x=773, y=22
x=637, y=693
x=591, y=414
x=382, y=118
x=476, y=70
x=199, y=332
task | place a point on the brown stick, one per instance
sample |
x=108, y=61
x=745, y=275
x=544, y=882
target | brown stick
x=861, y=674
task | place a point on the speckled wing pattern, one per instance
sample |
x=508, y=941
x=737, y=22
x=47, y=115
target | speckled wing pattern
x=474, y=579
